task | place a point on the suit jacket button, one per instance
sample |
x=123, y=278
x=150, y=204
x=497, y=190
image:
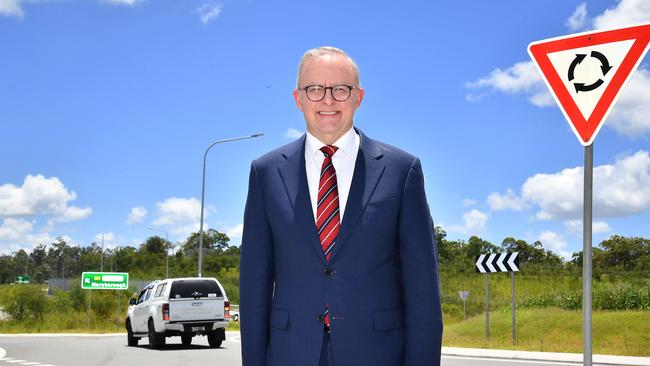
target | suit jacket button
x=329, y=272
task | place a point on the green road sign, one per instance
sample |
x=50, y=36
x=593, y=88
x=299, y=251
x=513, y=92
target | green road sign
x=104, y=281
x=22, y=279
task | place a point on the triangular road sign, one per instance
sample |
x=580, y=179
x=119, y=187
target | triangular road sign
x=586, y=72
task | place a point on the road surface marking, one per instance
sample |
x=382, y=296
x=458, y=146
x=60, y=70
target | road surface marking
x=511, y=361
x=235, y=339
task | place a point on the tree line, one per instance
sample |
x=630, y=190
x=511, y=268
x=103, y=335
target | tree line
x=61, y=259
x=613, y=255
x=149, y=260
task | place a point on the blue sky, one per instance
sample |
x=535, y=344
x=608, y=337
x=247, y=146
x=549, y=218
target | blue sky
x=106, y=108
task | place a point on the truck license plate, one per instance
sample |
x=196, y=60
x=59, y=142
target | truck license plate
x=196, y=329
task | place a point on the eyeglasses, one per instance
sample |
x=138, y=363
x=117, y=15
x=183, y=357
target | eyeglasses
x=340, y=93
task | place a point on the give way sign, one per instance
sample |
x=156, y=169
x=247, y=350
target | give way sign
x=586, y=72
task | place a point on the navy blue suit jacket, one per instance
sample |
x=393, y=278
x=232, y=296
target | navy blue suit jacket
x=381, y=284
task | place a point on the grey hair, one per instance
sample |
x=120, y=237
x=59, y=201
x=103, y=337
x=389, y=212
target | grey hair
x=326, y=51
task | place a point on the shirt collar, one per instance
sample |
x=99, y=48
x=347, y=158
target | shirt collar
x=345, y=143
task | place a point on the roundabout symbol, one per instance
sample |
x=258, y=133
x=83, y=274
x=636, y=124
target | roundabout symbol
x=604, y=67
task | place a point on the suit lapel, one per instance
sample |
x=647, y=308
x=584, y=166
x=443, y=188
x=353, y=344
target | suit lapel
x=368, y=169
x=294, y=177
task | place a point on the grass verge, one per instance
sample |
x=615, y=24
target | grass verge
x=554, y=330
x=70, y=323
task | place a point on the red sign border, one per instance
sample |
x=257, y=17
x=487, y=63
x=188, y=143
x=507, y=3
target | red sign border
x=586, y=130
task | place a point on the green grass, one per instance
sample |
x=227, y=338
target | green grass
x=540, y=329
x=71, y=324
x=62, y=323
x=554, y=330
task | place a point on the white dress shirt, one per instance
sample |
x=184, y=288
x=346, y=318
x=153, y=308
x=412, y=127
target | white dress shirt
x=343, y=160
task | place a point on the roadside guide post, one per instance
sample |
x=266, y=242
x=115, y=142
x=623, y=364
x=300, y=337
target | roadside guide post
x=103, y=281
x=585, y=73
x=514, y=307
x=503, y=262
x=487, y=306
x=464, y=295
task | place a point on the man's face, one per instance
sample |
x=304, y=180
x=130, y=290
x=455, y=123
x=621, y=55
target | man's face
x=328, y=119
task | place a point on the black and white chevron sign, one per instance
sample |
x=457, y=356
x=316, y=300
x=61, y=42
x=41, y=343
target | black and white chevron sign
x=504, y=262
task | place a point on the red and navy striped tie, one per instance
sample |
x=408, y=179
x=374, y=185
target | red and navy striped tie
x=328, y=218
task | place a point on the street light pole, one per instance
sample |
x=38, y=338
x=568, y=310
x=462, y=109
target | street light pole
x=166, y=249
x=101, y=260
x=205, y=156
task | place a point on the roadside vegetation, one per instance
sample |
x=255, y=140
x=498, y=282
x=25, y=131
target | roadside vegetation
x=624, y=333
x=548, y=290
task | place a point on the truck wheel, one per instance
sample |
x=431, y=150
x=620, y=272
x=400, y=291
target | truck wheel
x=216, y=337
x=131, y=341
x=155, y=339
x=186, y=339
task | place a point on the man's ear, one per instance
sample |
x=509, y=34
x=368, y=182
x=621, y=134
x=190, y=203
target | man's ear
x=360, y=94
x=296, y=97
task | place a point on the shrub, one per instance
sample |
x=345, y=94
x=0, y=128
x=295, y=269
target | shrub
x=26, y=302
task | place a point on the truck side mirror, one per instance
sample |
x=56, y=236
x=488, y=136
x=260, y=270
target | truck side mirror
x=132, y=301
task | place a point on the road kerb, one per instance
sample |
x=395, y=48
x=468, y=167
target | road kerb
x=544, y=356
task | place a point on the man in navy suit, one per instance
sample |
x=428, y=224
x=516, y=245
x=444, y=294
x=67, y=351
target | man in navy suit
x=338, y=256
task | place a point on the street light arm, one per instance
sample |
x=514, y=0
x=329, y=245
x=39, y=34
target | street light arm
x=205, y=156
x=228, y=140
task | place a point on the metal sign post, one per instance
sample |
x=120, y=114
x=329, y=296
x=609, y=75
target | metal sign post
x=464, y=295
x=90, y=294
x=586, y=254
x=514, y=309
x=586, y=102
x=487, y=306
x=104, y=281
x=502, y=262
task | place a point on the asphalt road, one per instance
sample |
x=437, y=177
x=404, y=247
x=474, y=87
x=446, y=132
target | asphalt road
x=111, y=350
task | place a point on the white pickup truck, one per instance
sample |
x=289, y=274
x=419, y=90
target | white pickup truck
x=182, y=307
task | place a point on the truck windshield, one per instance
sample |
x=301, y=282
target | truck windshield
x=194, y=288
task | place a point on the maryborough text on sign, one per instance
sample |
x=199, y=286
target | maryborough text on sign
x=104, y=281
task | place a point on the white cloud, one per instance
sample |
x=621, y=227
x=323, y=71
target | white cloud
x=597, y=227
x=209, y=11
x=41, y=196
x=108, y=237
x=109, y=240
x=15, y=230
x=620, y=189
x=292, y=133
x=468, y=202
x=600, y=227
x=507, y=201
x=122, y=2
x=136, y=215
x=554, y=241
x=16, y=234
x=578, y=19
x=11, y=8
x=521, y=78
x=625, y=13
x=473, y=223
x=630, y=116
x=235, y=231
x=181, y=215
